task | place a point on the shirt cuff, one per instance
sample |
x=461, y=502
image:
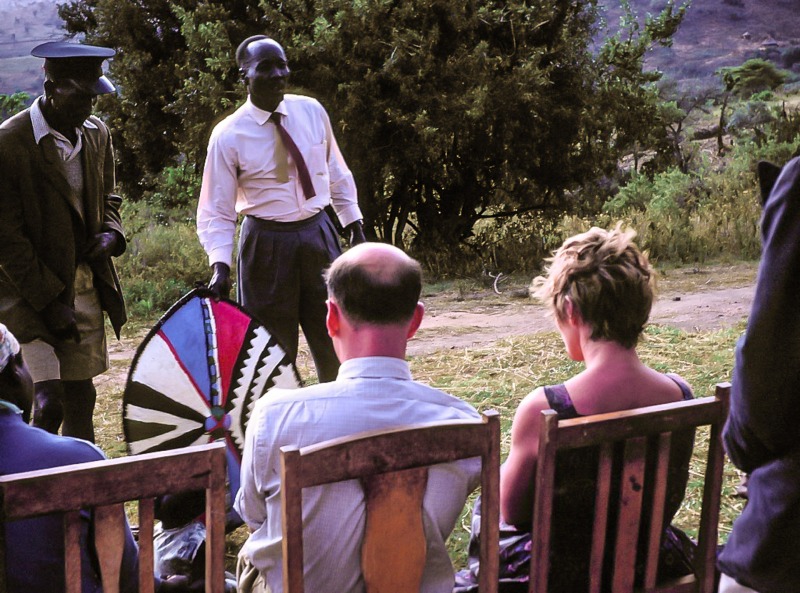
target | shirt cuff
x=221, y=255
x=348, y=215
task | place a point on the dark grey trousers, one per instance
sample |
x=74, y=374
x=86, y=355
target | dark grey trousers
x=280, y=282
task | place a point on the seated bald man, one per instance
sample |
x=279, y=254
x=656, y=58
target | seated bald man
x=373, y=310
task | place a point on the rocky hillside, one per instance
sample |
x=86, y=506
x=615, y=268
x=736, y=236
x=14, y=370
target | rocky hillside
x=718, y=33
x=715, y=33
x=25, y=24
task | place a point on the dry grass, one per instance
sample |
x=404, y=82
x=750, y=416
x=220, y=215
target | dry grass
x=681, y=280
x=497, y=377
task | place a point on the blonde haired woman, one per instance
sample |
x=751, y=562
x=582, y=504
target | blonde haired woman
x=600, y=288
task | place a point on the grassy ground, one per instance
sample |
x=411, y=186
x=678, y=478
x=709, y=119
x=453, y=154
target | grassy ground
x=498, y=377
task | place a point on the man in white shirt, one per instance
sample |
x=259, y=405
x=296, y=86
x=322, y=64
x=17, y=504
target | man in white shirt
x=276, y=162
x=373, y=310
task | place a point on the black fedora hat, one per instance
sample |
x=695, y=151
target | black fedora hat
x=79, y=62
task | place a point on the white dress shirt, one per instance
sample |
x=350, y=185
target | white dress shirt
x=368, y=394
x=248, y=172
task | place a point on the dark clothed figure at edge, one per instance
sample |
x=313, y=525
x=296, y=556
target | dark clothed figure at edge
x=762, y=553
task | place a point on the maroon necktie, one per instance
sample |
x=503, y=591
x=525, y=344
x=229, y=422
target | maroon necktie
x=291, y=147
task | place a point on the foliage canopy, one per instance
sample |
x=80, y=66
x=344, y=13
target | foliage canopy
x=448, y=111
x=11, y=104
x=753, y=76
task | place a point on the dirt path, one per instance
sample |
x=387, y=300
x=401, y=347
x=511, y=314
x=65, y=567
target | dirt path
x=479, y=326
x=693, y=300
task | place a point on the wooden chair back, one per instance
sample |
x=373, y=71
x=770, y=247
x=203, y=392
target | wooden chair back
x=102, y=487
x=637, y=429
x=393, y=468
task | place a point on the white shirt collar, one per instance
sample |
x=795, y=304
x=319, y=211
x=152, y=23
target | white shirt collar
x=41, y=128
x=375, y=367
x=262, y=116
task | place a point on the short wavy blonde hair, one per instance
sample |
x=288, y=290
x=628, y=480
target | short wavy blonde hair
x=608, y=280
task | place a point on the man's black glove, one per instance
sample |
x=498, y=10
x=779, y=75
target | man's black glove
x=355, y=231
x=220, y=284
x=60, y=320
x=102, y=246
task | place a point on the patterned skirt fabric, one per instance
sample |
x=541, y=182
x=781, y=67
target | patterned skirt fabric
x=567, y=574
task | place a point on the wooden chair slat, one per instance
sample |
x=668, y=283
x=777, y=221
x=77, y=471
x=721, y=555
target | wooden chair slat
x=109, y=523
x=292, y=517
x=709, y=520
x=600, y=526
x=630, y=509
x=619, y=426
x=215, y=525
x=357, y=457
x=658, y=504
x=489, y=573
x=388, y=532
x=72, y=552
x=543, y=504
x=47, y=491
x=147, y=517
x=387, y=453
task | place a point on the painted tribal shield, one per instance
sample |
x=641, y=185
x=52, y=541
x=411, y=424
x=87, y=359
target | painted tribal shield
x=197, y=375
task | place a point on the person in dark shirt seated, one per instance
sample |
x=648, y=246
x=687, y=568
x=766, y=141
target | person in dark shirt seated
x=35, y=547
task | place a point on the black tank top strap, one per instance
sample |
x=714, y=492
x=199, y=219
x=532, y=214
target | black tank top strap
x=559, y=400
x=685, y=389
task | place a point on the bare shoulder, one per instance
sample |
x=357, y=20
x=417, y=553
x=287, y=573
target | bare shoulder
x=526, y=418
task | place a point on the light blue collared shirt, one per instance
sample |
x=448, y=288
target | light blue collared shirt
x=369, y=394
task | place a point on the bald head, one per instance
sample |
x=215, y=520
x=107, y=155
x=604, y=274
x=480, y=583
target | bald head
x=375, y=283
x=257, y=48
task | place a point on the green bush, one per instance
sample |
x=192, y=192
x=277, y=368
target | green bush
x=177, y=187
x=691, y=217
x=164, y=260
x=753, y=76
x=666, y=192
x=763, y=96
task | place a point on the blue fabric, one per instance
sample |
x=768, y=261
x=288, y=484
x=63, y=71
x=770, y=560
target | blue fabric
x=760, y=435
x=35, y=547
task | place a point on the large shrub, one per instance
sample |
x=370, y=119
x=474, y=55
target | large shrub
x=164, y=259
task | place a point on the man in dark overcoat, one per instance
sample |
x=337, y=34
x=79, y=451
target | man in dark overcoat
x=59, y=228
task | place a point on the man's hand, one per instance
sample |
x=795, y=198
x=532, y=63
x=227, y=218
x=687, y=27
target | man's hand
x=179, y=584
x=60, y=320
x=355, y=231
x=220, y=284
x=102, y=246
